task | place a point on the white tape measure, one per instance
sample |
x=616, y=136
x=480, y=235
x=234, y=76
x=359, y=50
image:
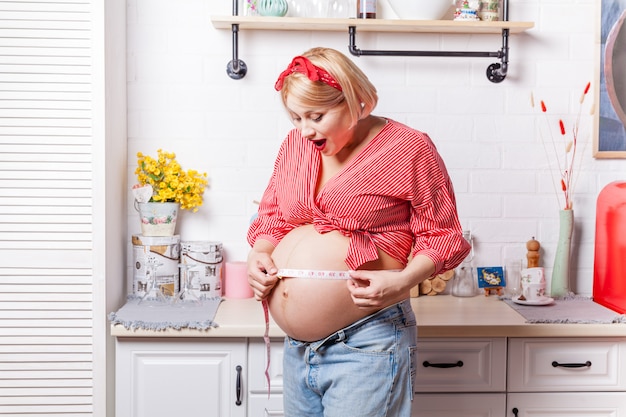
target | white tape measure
x=312, y=274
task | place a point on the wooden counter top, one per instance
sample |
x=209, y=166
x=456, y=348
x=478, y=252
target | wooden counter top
x=437, y=316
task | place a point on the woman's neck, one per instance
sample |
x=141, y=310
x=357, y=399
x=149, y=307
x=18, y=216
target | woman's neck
x=364, y=131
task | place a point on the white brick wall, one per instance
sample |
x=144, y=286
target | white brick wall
x=180, y=99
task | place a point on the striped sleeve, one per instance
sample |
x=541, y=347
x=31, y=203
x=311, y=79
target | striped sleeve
x=270, y=225
x=438, y=233
x=434, y=218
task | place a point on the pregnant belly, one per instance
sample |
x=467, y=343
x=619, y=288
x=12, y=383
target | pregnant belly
x=311, y=309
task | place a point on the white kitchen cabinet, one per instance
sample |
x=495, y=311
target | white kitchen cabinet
x=560, y=404
x=562, y=364
x=164, y=377
x=507, y=365
x=566, y=376
x=460, y=377
x=461, y=365
x=260, y=404
x=459, y=405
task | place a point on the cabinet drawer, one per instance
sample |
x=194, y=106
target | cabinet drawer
x=455, y=405
x=260, y=406
x=458, y=365
x=551, y=364
x=257, y=382
x=561, y=404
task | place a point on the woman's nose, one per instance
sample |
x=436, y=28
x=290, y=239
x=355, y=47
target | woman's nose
x=307, y=131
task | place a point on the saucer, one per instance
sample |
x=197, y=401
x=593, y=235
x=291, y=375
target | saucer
x=541, y=302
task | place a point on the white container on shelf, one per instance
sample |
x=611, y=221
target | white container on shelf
x=422, y=10
x=207, y=260
x=166, y=250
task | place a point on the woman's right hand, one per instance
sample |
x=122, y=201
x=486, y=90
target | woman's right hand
x=261, y=270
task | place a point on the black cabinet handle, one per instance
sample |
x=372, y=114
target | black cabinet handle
x=571, y=365
x=515, y=411
x=427, y=364
x=238, y=386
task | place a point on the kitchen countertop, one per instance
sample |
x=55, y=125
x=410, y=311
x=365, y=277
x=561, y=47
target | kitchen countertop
x=437, y=316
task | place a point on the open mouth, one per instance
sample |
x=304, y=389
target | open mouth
x=319, y=144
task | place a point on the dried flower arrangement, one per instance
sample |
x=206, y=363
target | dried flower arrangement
x=564, y=150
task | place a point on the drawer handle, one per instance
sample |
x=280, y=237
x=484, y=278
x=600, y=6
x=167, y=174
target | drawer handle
x=427, y=364
x=515, y=411
x=238, y=386
x=571, y=365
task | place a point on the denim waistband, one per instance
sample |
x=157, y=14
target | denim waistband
x=398, y=309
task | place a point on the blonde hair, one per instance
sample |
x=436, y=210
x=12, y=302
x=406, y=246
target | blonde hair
x=357, y=91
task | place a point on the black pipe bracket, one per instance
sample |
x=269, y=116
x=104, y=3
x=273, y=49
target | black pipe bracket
x=495, y=72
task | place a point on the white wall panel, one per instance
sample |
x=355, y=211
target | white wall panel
x=46, y=238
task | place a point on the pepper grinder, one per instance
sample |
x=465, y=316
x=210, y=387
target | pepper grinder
x=532, y=255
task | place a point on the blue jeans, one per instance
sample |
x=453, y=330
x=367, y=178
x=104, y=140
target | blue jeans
x=364, y=370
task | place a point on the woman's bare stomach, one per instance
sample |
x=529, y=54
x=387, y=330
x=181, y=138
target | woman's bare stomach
x=311, y=309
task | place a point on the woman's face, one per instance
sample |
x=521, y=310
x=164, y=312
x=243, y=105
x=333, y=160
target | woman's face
x=328, y=128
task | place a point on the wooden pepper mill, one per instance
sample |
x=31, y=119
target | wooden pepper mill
x=533, y=253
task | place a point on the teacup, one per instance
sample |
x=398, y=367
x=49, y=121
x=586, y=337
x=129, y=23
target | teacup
x=535, y=292
x=533, y=276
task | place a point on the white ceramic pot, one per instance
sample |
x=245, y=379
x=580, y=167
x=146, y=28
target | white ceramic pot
x=158, y=219
x=276, y=8
x=421, y=9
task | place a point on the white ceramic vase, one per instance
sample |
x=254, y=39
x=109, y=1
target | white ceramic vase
x=559, y=285
x=158, y=219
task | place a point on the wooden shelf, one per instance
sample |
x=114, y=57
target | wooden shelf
x=369, y=25
x=236, y=68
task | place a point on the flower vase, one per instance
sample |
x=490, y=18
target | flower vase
x=158, y=219
x=561, y=270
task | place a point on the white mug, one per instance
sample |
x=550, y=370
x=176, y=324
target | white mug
x=535, y=292
x=533, y=276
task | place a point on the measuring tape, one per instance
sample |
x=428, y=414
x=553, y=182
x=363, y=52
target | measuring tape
x=293, y=273
x=266, y=339
x=312, y=274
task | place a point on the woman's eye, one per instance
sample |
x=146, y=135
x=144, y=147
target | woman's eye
x=317, y=119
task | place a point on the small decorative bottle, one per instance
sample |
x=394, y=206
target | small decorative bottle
x=366, y=9
x=465, y=283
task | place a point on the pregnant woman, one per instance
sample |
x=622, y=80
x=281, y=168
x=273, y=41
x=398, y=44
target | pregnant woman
x=359, y=209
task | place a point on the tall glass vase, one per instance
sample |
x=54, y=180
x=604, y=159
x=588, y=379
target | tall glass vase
x=561, y=271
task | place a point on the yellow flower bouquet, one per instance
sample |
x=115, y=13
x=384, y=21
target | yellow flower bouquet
x=163, y=180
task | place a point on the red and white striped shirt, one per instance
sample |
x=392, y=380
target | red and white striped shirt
x=395, y=195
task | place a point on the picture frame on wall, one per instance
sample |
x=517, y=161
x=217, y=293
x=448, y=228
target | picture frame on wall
x=610, y=115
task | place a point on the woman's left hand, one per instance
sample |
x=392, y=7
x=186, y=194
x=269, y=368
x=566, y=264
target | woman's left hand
x=376, y=288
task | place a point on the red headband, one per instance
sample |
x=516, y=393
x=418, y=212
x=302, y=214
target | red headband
x=303, y=65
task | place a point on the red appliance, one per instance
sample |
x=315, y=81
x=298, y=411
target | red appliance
x=609, y=275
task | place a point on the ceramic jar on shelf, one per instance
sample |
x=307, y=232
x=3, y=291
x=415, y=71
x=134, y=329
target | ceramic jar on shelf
x=158, y=219
x=277, y=8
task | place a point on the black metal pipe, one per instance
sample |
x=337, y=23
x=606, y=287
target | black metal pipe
x=235, y=30
x=236, y=68
x=354, y=50
x=505, y=51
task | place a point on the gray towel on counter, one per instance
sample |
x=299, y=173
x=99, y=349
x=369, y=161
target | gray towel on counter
x=569, y=309
x=161, y=317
